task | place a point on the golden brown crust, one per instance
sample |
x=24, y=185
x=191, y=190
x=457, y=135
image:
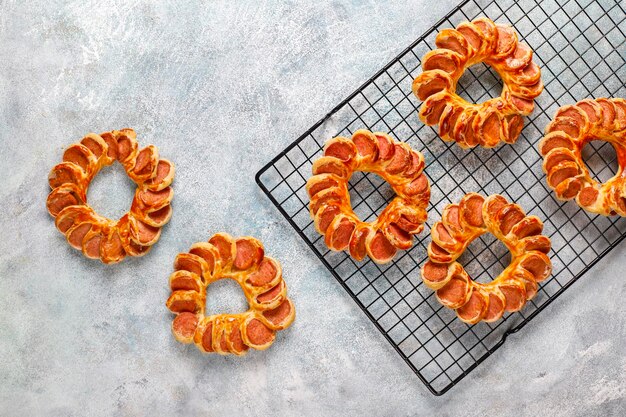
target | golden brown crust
x=572, y=127
x=399, y=165
x=98, y=237
x=243, y=260
x=496, y=120
x=463, y=222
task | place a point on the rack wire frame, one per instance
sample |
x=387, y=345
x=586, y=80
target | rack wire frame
x=580, y=46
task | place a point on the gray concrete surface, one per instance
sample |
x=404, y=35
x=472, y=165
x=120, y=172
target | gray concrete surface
x=221, y=88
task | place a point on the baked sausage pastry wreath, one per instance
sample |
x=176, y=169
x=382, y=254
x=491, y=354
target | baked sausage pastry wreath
x=98, y=237
x=462, y=223
x=330, y=207
x=572, y=127
x=243, y=260
x=495, y=120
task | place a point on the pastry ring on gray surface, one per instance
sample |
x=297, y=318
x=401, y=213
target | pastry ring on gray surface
x=98, y=237
x=242, y=260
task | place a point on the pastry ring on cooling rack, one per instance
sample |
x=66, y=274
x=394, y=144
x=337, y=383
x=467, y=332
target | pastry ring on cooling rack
x=497, y=119
x=98, y=237
x=462, y=223
x=243, y=260
x=572, y=127
x=330, y=206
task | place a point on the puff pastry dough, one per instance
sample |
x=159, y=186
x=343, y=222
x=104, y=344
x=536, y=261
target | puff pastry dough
x=330, y=207
x=463, y=222
x=572, y=127
x=243, y=260
x=498, y=119
x=96, y=236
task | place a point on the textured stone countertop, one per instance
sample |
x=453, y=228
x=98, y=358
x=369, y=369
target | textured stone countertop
x=221, y=88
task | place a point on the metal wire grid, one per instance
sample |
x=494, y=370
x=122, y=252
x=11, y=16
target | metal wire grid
x=581, y=48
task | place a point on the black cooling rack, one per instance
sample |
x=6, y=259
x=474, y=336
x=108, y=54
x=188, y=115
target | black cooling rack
x=581, y=49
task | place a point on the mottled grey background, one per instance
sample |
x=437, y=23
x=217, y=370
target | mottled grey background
x=221, y=88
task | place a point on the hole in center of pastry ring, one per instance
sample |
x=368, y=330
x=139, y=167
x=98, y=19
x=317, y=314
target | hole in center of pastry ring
x=369, y=194
x=463, y=222
x=373, y=233
x=479, y=84
x=97, y=236
x=111, y=191
x=600, y=159
x=224, y=258
x=225, y=296
x=485, y=258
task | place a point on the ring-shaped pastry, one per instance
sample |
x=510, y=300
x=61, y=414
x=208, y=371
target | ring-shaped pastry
x=572, y=127
x=330, y=206
x=462, y=223
x=98, y=237
x=495, y=120
x=243, y=260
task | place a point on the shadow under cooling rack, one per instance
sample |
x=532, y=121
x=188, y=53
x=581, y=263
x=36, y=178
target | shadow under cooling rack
x=580, y=47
